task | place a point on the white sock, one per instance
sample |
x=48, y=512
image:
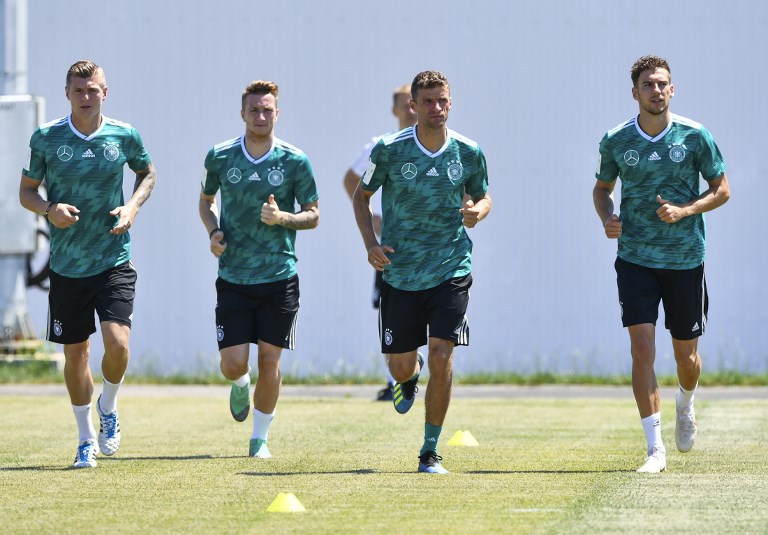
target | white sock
x=244, y=380
x=108, y=399
x=684, y=397
x=84, y=423
x=652, y=428
x=261, y=423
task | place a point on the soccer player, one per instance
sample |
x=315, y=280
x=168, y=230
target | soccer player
x=425, y=252
x=401, y=108
x=659, y=157
x=257, y=288
x=81, y=159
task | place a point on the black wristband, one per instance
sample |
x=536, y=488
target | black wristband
x=45, y=214
x=210, y=236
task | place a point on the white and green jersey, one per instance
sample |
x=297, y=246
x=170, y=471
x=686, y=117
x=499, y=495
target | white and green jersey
x=257, y=253
x=667, y=165
x=422, y=194
x=86, y=172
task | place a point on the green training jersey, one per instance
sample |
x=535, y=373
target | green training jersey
x=86, y=172
x=667, y=165
x=257, y=253
x=422, y=194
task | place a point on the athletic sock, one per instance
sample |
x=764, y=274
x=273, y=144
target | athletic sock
x=684, y=397
x=84, y=423
x=244, y=380
x=431, y=436
x=261, y=423
x=652, y=428
x=108, y=401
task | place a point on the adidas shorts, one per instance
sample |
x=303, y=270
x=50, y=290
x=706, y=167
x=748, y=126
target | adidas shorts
x=247, y=313
x=73, y=301
x=682, y=292
x=407, y=318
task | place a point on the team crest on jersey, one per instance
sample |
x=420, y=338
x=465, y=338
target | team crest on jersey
x=388, y=337
x=234, y=175
x=631, y=158
x=219, y=333
x=275, y=176
x=409, y=171
x=57, y=328
x=455, y=171
x=677, y=153
x=65, y=153
x=111, y=152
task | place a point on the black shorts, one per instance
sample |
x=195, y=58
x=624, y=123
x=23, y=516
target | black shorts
x=72, y=302
x=247, y=313
x=682, y=291
x=406, y=317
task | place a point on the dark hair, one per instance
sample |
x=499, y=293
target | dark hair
x=428, y=80
x=645, y=63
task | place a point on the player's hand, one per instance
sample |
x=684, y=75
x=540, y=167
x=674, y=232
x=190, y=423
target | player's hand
x=63, y=215
x=124, y=219
x=612, y=227
x=377, y=256
x=470, y=213
x=270, y=212
x=669, y=212
x=218, y=245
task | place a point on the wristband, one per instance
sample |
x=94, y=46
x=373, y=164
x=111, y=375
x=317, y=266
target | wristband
x=45, y=214
x=210, y=236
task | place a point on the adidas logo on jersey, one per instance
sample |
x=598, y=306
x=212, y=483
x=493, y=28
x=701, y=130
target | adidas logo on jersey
x=433, y=172
x=254, y=176
x=88, y=154
x=695, y=327
x=653, y=157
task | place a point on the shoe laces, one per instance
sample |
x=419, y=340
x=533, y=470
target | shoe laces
x=109, y=424
x=430, y=458
x=86, y=452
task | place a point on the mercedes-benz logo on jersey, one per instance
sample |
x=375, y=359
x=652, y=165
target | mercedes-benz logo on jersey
x=65, y=153
x=275, y=177
x=111, y=152
x=234, y=175
x=631, y=157
x=677, y=153
x=409, y=171
x=455, y=172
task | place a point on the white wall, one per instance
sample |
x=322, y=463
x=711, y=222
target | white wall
x=535, y=83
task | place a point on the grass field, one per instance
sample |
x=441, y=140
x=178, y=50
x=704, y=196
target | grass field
x=543, y=466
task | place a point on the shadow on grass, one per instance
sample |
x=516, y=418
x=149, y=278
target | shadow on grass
x=364, y=471
x=37, y=468
x=491, y=472
x=167, y=458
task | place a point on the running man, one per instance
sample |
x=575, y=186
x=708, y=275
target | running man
x=425, y=251
x=660, y=231
x=81, y=158
x=258, y=286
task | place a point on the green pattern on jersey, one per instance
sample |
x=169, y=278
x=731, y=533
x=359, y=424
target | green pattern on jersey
x=257, y=253
x=667, y=165
x=422, y=194
x=86, y=172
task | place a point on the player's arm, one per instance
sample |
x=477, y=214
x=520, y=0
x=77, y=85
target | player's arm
x=61, y=215
x=717, y=195
x=142, y=189
x=306, y=218
x=602, y=198
x=361, y=202
x=351, y=180
x=475, y=209
x=209, y=215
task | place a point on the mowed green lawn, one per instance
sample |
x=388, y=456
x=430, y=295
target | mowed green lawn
x=543, y=466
